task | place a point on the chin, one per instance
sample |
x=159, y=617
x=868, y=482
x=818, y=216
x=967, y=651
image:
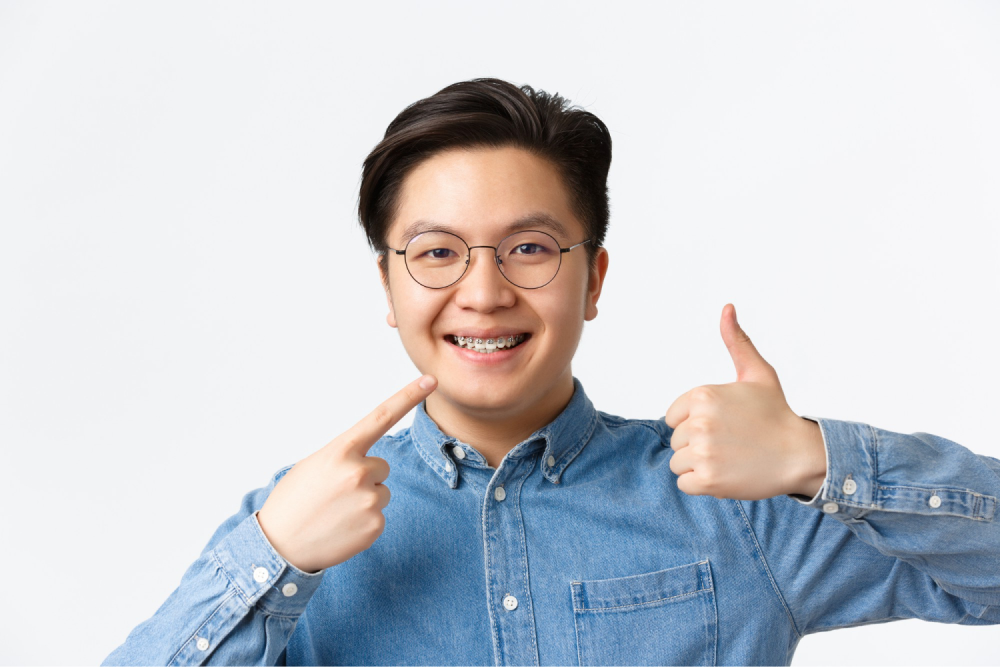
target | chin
x=478, y=394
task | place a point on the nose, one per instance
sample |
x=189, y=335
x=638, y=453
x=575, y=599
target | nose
x=483, y=288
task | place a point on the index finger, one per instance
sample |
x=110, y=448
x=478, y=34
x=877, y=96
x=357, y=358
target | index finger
x=678, y=410
x=366, y=432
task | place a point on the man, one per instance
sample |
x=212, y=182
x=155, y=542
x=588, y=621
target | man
x=525, y=526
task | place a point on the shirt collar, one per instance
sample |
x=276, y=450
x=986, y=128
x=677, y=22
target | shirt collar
x=562, y=439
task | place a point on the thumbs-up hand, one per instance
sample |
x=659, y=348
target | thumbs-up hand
x=741, y=440
x=328, y=507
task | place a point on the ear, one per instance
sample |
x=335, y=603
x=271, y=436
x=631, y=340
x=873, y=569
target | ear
x=595, y=283
x=390, y=317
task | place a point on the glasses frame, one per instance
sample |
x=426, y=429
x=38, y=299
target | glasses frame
x=496, y=256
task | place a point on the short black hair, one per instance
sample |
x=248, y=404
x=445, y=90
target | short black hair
x=490, y=113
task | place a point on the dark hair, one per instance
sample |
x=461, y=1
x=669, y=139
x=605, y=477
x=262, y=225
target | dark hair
x=490, y=113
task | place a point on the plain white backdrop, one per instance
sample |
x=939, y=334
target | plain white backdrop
x=187, y=303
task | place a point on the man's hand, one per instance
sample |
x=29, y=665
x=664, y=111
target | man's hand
x=328, y=507
x=741, y=440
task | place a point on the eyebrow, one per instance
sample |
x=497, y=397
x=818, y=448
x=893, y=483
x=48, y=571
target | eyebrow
x=530, y=221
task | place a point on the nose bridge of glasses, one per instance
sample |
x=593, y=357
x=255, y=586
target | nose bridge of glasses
x=496, y=261
x=496, y=253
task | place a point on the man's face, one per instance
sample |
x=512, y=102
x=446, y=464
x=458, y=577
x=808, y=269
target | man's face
x=483, y=195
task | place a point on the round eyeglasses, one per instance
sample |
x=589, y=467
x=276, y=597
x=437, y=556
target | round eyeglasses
x=528, y=259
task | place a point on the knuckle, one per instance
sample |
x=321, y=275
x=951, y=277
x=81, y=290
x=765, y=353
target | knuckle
x=712, y=480
x=702, y=424
x=370, y=500
x=382, y=416
x=708, y=453
x=357, y=475
x=703, y=394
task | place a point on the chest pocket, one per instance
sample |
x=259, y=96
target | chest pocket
x=667, y=617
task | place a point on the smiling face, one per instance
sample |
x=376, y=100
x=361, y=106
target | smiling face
x=483, y=195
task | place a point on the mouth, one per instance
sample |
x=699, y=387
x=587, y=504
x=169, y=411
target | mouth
x=488, y=345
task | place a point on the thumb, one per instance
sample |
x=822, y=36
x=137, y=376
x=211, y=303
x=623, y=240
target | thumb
x=750, y=366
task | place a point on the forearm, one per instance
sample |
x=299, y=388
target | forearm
x=919, y=497
x=238, y=603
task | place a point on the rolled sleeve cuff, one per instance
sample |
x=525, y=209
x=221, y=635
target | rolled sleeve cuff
x=261, y=575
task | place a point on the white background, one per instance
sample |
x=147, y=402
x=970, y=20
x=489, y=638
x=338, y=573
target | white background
x=187, y=302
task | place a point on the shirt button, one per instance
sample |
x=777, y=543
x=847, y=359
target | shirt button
x=500, y=494
x=289, y=590
x=202, y=644
x=260, y=575
x=447, y=466
x=510, y=603
x=458, y=452
x=551, y=461
x=850, y=486
x=830, y=508
x=934, y=501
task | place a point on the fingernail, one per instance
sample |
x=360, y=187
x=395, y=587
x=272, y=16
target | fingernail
x=427, y=381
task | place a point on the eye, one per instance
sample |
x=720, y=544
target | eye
x=527, y=249
x=439, y=253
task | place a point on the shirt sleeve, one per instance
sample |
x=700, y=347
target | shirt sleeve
x=237, y=604
x=903, y=526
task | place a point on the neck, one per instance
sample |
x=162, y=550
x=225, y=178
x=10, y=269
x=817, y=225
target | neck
x=493, y=432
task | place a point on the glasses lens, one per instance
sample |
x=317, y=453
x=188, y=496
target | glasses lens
x=529, y=259
x=436, y=259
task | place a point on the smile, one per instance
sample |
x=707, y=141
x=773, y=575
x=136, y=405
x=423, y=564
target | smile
x=487, y=345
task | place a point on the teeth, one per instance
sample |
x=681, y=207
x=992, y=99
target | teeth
x=489, y=345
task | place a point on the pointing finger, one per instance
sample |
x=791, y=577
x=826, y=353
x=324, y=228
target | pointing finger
x=360, y=437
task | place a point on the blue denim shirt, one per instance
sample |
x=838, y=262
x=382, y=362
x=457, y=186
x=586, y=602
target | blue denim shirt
x=580, y=549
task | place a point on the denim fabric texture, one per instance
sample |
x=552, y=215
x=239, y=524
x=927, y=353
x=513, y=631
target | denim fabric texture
x=581, y=550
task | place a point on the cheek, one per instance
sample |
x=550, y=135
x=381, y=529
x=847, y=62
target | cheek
x=562, y=313
x=416, y=310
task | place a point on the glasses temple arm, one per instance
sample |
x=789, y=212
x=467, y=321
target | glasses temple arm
x=565, y=250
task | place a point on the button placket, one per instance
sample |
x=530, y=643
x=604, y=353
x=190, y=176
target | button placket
x=509, y=589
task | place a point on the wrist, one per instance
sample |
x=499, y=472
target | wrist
x=810, y=457
x=272, y=539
